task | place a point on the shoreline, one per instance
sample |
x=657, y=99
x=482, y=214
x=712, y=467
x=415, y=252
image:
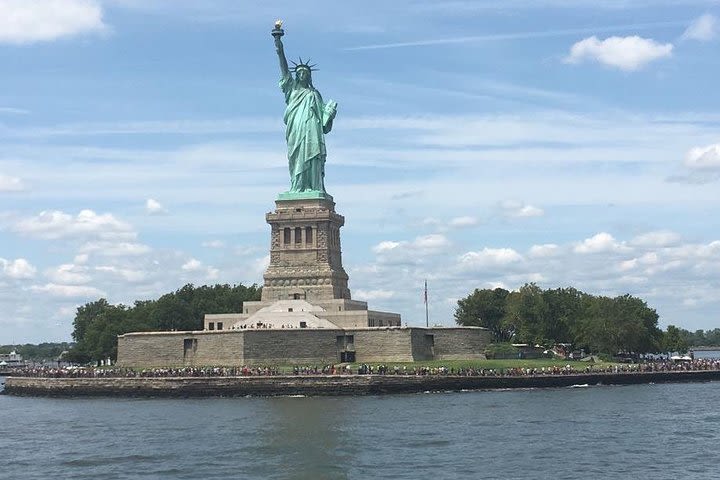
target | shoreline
x=325, y=385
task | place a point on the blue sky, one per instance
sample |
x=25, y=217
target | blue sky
x=477, y=144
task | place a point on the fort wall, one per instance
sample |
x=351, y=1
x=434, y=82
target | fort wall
x=299, y=346
x=288, y=347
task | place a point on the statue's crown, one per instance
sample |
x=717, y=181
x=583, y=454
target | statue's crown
x=302, y=64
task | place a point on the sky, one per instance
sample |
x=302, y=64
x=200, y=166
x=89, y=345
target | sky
x=478, y=144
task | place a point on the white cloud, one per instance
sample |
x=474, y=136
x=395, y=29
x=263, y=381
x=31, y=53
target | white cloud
x=661, y=238
x=212, y=273
x=192, y=265
x=690, y=302
x=650, y=258
x=196, y=266
x=242, y=250
x=67, y=311
x=628, y=265
x=10, y=184
x=530, y=211
x=489, y=257
x=497, y=284
x=368, y=295
x=711, y=250
x=543, y=251
x=602, y=242
x=432, y=242
x=213, y=244
x=631, y=280
x=68, y=291
x=461, y=222
x=535, y=277
x=153, y=207
x=422, y=245
x=703, y=28
x=261, y=264
x=115, y=249
x=385, y=246
x=18, y=268
x=668, y=265
x=625, y=53
x=512, y=208
x=430, y=222
x=56, y=224
x=704, y=158
x=126, y=274
x=68, y=273
x=29, y=21
x=14, y=111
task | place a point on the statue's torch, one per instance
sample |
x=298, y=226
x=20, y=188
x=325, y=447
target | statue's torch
x=278, y=32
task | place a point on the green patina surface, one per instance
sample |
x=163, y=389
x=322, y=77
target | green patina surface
x=308, y=195
x=307, y=119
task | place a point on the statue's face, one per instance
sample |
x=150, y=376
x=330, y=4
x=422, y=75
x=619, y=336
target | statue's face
x=303, y=76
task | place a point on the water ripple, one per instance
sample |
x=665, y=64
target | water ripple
x=659, y=432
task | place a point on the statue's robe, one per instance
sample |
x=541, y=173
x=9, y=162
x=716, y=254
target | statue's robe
x=306, y=123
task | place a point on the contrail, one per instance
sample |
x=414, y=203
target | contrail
x=519, y=35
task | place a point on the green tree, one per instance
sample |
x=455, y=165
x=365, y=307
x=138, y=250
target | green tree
x=564, y=308
x=85, y=316
x=172, y=312
x=527, y=314
x=485, y=308
x=564, y=315
x=40, y=352
x=712, y=337
x=673, y=340
x=620, y=324
x=97, y=324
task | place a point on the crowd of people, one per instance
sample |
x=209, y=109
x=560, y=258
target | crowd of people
x=86, y=372
x=262, y=326
x=578, y=369
x=366, y=369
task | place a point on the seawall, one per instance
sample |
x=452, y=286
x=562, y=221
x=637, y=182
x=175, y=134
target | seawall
x=322, y=384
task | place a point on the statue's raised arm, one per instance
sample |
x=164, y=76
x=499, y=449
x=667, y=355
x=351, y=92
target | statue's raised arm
x=277, y=33
x=307, y=119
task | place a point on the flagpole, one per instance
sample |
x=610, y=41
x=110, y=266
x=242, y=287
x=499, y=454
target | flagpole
x=427, y=316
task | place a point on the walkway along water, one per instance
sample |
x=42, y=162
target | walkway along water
x=317, y=385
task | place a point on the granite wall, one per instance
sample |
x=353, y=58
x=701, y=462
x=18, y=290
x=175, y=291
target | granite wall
x=325, y=384
x=299, y=346
x=160, y=349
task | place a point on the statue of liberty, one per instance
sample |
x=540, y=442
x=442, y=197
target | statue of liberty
x=307, y=119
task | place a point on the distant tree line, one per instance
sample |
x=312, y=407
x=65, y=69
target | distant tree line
x=40, y=352
x=702, y=338
x=97, y=324
x=685, y=339
x=565, y=315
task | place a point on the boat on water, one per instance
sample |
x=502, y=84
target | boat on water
x=11, y=361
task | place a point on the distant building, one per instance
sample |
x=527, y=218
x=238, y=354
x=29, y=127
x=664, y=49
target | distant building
x=11, y=360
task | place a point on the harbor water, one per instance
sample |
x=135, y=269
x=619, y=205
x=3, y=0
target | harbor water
x=644, y=431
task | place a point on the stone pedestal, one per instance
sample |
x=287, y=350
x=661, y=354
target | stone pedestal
x=305, y=254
